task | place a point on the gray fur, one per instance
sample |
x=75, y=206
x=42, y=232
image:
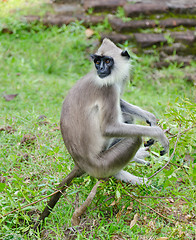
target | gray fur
x=93, y=116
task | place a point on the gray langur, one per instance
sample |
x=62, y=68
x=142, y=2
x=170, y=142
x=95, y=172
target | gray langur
x=97, y=125
x=95, y=121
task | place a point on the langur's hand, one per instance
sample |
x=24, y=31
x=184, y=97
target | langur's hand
x=160, y=136
x=149, y=143
x=151, y=119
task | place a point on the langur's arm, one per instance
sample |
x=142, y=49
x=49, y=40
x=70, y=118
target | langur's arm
x=129, y=130
x=138, y=112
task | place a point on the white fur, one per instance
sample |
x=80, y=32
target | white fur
x=141, y=161
x=121, y=69
x=143, y=152
x=129, y=178
x=119, y=75
x=140, y=155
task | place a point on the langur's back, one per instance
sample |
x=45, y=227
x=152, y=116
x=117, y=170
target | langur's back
x=79, y=117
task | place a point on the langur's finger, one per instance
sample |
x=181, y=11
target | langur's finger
x=149, y=143
x=163, y=152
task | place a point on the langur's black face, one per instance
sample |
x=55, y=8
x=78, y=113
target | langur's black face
x=103, y=64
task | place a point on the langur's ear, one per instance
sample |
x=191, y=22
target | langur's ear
x=93, y=56
x=125, y=54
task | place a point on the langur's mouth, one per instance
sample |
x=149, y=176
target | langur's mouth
x=102, y=75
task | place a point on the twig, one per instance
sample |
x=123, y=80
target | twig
x=152, y=197
x=100, y=204
x=172, y=220
x=180, y=166
x=63, y=194
x=30, y=204
x=151, y=208
x=174, y=135
x=167, y=198
x=186, y=130
x=80, y=210
x=76, y=202
x=167, y=130
x=179, y=133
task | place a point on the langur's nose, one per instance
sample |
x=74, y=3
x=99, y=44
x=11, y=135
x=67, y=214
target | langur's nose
x=101, y=66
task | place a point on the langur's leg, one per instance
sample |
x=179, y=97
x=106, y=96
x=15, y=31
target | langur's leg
x=119, y=155
x=140, y=155
x=130, y=178
x=76, y=172
x=116, y=157
x=141, y=161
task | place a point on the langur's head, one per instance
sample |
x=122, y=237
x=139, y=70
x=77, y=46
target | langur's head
x=111, y=63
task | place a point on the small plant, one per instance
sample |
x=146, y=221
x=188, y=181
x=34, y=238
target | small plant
x=169, y=39
x=103, y=27
x=90, y=11
x=120, y=13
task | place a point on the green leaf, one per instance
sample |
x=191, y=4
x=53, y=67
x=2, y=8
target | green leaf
x=2, y=186
x=118, y=194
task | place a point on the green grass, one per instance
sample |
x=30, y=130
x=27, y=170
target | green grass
x=41, y=65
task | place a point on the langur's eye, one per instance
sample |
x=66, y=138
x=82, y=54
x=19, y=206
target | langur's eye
x=97, y=62
x=107, y=61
